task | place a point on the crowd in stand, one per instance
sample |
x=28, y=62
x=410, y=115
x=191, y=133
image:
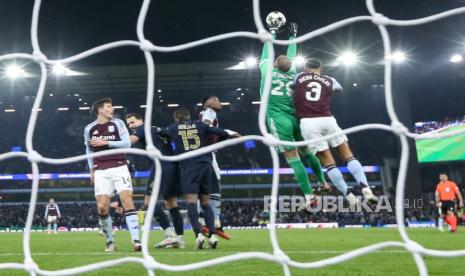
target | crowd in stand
x=423, y=127
x=235, y=213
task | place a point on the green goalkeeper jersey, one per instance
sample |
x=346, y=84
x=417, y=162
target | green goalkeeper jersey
x=281, y=94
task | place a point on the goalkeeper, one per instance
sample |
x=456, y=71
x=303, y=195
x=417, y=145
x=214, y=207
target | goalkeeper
x=281, y=119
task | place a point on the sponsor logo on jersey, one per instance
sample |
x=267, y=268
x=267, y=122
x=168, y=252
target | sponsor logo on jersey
x=104, y=137
x=95, y=132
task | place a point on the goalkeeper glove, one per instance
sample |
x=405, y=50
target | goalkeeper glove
x=293, y=28
x=274, y=26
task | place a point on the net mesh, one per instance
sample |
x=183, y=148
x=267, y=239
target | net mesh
x=278, y=256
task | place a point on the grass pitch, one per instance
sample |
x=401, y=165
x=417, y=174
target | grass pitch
x=442, y=149
x=67, y=250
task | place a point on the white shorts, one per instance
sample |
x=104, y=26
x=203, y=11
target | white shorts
x=312, y=128
x=109, y=180
x=51, y=219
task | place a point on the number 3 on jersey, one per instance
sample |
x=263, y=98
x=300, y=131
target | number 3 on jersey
x=187, y=136
x=315, y=91
x=278, y=89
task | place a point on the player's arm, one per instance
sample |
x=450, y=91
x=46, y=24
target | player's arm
x=46, y=211
x=292, y=48
x=58, y=210
x=137, y=135
x=124, y=142
x=459, y=196
x=223, y=134
x=337, y=87
x=90, y=161
x=133, y=138
x=265, y=57
x=436, y=196
x=208, y=116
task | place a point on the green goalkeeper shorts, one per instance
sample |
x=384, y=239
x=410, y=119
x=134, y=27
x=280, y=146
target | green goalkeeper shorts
x=285, y=127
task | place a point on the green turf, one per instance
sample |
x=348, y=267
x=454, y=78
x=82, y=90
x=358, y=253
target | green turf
x=442, y=149
x=67, y=250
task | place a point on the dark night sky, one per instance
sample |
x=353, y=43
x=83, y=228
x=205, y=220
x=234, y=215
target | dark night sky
x=69, y=27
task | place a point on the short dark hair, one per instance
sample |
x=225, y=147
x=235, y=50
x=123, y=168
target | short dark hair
x=100, y=103
x=313, y=63
x=205, y=99
x=135, y=115
x=182, y=114
x=444, y=173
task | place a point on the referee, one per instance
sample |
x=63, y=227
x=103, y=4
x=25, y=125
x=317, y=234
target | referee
x=447, y=193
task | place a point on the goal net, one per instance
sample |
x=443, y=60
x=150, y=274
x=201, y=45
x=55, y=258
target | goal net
x=147, y=47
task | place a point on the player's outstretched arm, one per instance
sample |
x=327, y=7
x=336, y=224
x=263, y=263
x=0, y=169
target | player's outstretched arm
x=221, y=132
x=292, y=48
x=264, y=57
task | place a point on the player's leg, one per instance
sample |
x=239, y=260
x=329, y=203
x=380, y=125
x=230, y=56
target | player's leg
x=49, y=225
x=450, y=217
x=169, y=190
x=211, y=178
x=215, y=198
x=311, y=159
x=103, y=191
x=209, y=219
x=283, y=129
x=190, y=179
x=130, y=215
x=178, y=223
x=55, y=225
x=105, y=221
x=123, y=185
x=440, y=218
x=356, y=169
x=193, y=214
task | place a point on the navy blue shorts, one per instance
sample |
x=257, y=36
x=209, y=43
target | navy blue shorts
x=170, y=185
x=199, y=178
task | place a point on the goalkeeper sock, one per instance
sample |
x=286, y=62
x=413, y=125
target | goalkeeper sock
x=315, y=164
x=161, y=217
x=209, y=218
x=193, y=214
x=133, y=224
x=107, y=227
x=356, y=169
x=177, y=221
x=215, y=201
x=337, y=179
x=300, y=174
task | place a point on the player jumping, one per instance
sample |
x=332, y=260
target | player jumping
x=311, y=98
x=281, y=118
x=197, y=174
x=446, y=194
x=211, y=105
x=169, y=186
x=110, y=172
x=52, y=213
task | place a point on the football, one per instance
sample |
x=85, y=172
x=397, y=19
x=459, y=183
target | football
x=276, y=20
